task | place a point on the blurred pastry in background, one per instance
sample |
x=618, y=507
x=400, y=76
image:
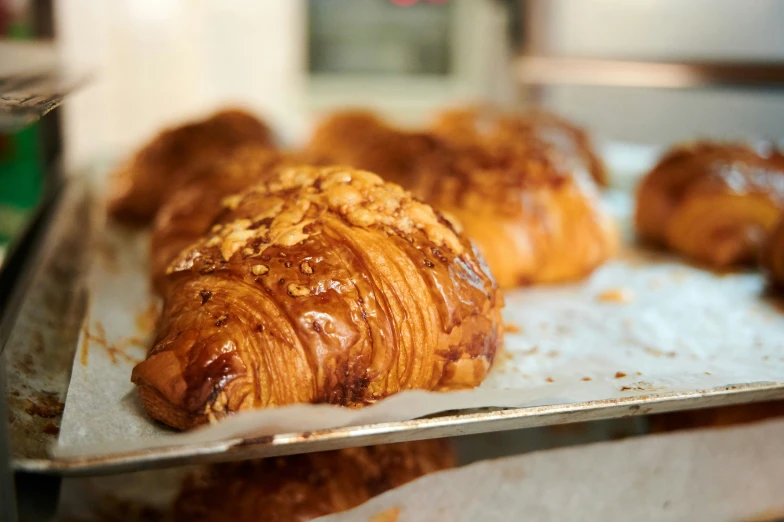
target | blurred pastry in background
x=307, y=486
x=715, y=417
x=714, y=203
x=571, y=141
x=195, y=204
x=143, y=183
x=319, y=285
x=533, y=217
x=360, y=139
x=772, y=258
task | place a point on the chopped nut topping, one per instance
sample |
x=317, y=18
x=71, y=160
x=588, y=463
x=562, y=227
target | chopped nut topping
x=306, y=268
x=296, y=290
x=259, y=269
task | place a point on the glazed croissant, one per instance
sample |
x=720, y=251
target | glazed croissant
x=303, y=487
x=573, y=143
x=192, y=208
x=319, y=285
x=149, y=178
x=362, y=140
x=534, y=220
x=773, y=255
x=713, y=203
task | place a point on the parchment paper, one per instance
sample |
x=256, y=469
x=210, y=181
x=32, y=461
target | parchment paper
x=712, y=475
x=642, y=324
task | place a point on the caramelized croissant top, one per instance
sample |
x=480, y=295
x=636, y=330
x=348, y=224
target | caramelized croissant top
x=149, y=178
x=193, y=206
x=362, y=140
x=535, y=220
x=319, y=285
x=482, y=123
x=712, y=202
x=303, y=487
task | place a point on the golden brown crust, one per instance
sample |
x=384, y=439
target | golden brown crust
x=362, y=140
x=304, y=487
x=320, y=285
x=714, y=203
x=772, y=258
x=535, y=220
x=194, y=205
x=149, y=178
x=572, y=142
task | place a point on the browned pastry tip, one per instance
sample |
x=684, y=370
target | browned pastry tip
x=143, y=183
x=319, y=285
x=772, y=258
x=466, y=124
x=534, y=219
x=195, y=204
x=714, y=203
x=304, y=487
x=361, y=139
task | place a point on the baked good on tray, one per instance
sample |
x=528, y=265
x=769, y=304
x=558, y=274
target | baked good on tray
x=143, y=183
x=535, y=219
x=319, y=285
x=571, y=141
x=714, y=203
x=773, y=255
x=304, y=487
x=360, y=139
x=193, y=206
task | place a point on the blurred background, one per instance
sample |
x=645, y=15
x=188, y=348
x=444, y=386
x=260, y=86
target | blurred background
x=647, y=72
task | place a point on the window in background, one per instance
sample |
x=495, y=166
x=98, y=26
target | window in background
x=380, y=37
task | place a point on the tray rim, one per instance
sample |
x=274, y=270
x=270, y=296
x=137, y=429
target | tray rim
x=444, y=425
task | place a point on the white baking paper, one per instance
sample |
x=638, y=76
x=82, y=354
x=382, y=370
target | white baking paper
x=716, y=475
x=643, y=324
x=731, y=474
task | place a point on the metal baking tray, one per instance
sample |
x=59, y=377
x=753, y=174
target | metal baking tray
x=42, y=345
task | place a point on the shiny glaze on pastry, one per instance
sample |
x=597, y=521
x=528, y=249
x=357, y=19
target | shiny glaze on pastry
x=194, y=206
x=319, y=285
x=534, y=219
x=714, y=203
x=142, y=184
x=303, y=487
x=362, y=140
x=572, y=142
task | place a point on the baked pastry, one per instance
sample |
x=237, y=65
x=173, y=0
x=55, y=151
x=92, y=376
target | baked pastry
x=360, y=139
x=716, y=417
x=141, y=185
x=304, y=487
x=192, y=208
x=571, y=141
x=319, y=285
x=714, y=203
x=773, y=255
x=534, y=219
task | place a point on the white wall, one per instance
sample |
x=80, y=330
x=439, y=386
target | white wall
x=669, y=30
x=157, y=62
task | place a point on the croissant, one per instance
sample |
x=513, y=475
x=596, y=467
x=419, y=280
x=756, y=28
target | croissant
x=773, y=255
x=319, y=285
x=304, y=487
x=141, y=185
x=571, y=141
x=194, y=206
x=713, y=203
x=362, y=140
x=534, y=220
